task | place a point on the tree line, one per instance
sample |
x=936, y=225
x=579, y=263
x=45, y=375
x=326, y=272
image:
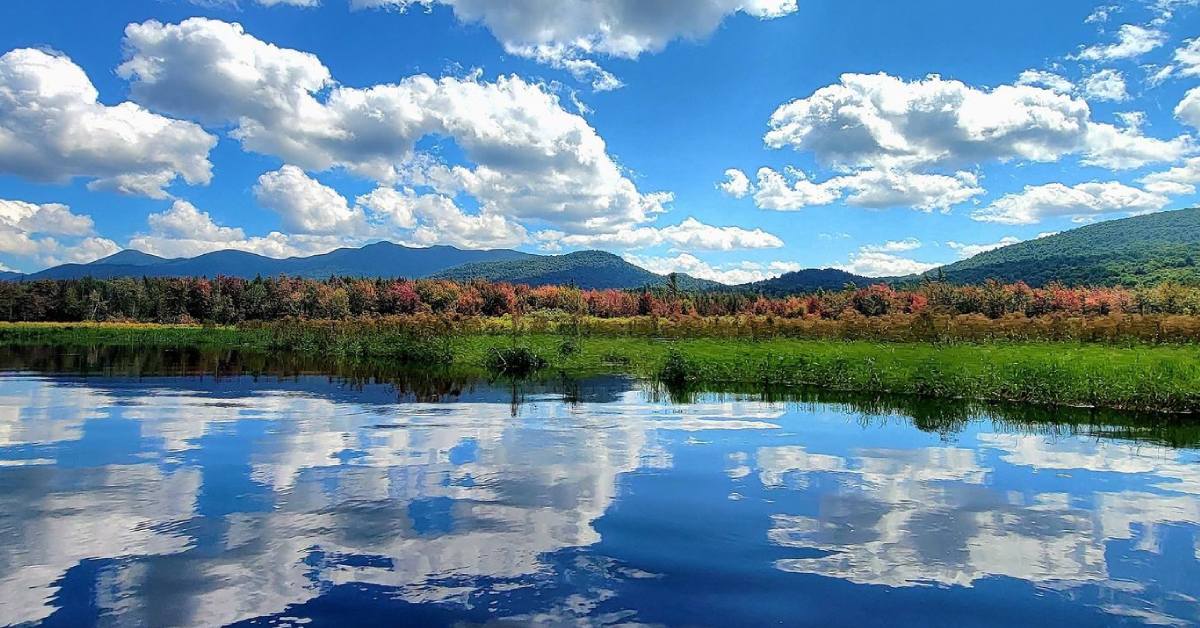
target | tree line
x=228, y=300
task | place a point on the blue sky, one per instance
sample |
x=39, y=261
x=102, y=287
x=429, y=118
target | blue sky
x=734, y=142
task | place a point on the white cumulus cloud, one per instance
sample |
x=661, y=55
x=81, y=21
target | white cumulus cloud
x=441, y=221
x=1187, y=58
x=1186, y=62
x=49, y=234
x=774, y=191
x=305, y=205
x=691, y=234
x=1132, y=41
x=970, y=250
x=736, y=183
x=873, y=120
x=530, y=158
x=185, y=231
x=1081, y=202
x=731, y=274
x=893, y=246
x=881, y=260
x=1175, y=181
x=1106, y=84
x=1049, y=80
x=1100, y=14
x=53, y=128
x=874, y=188
x=1188, y=109
x=569, y=34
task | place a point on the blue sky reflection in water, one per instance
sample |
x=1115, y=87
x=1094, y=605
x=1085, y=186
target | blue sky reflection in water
x=194, y=501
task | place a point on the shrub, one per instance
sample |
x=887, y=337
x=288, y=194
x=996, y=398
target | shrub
x=514, y=360
x=675, y=370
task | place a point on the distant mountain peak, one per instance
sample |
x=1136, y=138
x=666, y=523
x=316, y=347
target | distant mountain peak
x=590, y=269
x=131, y=257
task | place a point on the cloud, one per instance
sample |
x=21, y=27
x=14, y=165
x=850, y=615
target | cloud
x=1049, y=80
x=183, y=220
x=1187, y=58
x=1080, y=202
x=871, y=119
x=1106, y=84
x=1186, y=63
x=235, y=5
x=49, y=234
x=1188, y=109
x=530, y=158
x=185, y=231
x=1165, y=10
x=50, y=218
x=880, y=188
x=569, y=35
x=691, y=234
x=730, y=274
x=775, y=192
x=443, y=222
x=82, y=251
x=1132, y=120
x=436, y=219
x=970, y=250
x=877, y=120
x=1176, y=181
x=874, y=188
x=880, y=260
x=736, y=183
x=1100, y=14
x=893, y=246
x=393, y=206
x=1121, y=149
x=1132, y=41
x=53, y=128
x=306, y=205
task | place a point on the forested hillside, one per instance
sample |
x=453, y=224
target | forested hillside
x=1134, y=251
x=584, y=269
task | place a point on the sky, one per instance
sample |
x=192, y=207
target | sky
x=729, y=139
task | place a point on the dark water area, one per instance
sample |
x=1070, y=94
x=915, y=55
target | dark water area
x=187, y=488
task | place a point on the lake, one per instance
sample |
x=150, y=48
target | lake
x=189, y=489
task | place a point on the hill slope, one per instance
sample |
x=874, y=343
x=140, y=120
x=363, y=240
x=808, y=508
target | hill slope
x=585, y=269
x=1130, y=251
x=807, y=280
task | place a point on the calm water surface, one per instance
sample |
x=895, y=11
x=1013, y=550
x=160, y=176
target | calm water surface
x=190, y=490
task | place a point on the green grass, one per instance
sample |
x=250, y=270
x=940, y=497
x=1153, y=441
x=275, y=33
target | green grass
x=1139, y=377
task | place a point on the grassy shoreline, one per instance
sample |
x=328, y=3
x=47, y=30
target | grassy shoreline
x=1134, y=377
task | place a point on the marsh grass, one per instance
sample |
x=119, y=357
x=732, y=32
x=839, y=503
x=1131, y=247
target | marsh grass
x=1161, y=378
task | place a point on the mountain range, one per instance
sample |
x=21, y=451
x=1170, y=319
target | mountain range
x=382, y=259
x=1132, y=251
x=586, y=269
